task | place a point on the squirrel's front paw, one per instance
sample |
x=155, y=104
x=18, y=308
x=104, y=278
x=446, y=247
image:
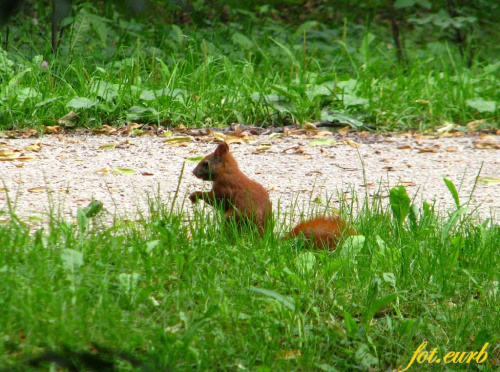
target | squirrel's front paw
x=194, y=197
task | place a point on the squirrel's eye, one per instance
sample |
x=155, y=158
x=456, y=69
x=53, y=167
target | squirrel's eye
x=205, y=163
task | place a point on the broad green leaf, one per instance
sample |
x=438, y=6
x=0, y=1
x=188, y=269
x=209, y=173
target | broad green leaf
x=306, y=261
x=47, y=101
x=350, y=325
x=152, y=245
x=323, y=142
x=389, y=278
x=482, y=105
x=82, y=220
x=128, y=282
x=453, y=191
x=378, y=304
x=284, y=300
x=72, y=260
x=398, y=4
x=81, y=103
x=305, y=27
x=93, y=209
x=353, y=100
x=365, y=358
x=352, y=246
x=242, y=41
x=400, y=203
x=178, y=33
x=104, y=90
x=332, y=117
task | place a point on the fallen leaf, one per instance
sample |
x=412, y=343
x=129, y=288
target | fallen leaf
x=488, y=180
x=475, y=125
x=352, y=143
x=323, y=142
x=407, y=183
x=105, y=129
x=487, y=145
x=404, y=147
x=103, y=171
x=313, y=172
x=388, y=168
x=107, y=146
x=262, y=148
x=9, y=155
x=26, y=158
x=310, y=127
x=147, y=174
x=177, y=139
x=120, y=170
x=344, y=130
x=451, y=149
x=38, y=189
x=291, y=354
x=427, y=149
x=55, y=129
x=68, y=120
x=34, y=147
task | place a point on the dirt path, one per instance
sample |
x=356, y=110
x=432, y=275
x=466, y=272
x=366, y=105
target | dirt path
x=71, y=170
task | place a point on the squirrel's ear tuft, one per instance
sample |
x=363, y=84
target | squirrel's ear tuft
x=222, y=149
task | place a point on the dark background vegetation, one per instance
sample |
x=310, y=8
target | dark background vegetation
x=404, y=64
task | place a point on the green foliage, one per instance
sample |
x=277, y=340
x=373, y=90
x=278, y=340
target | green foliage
x=177, y=292
x=258, y=68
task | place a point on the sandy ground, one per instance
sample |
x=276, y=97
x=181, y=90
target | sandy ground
x=68, y=171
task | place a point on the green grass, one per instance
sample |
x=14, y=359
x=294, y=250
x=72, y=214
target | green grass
x=259, y=71
x=186, y=293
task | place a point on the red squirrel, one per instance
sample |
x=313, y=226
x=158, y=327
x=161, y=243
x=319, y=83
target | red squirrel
x=240, y=197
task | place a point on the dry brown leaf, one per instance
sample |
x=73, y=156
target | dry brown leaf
x=105, y=129
x=295, y=149
x=147, y=174
x=344, y=130
x=26, y=158
x=404, y=147
x=219, y=136
x=487, y=143
x=9, y=155
x=352, y=143
x=310, y=127
x=451, y=149
x=54, y=129
x=407, y=183
x=313, y=172
x=291, y=354
x=103, y=171
x=38, y=189
x=67, y=139
x=474, y=125
x=427, y=149
x=388, y=168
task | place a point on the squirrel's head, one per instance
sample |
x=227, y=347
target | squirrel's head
x=212, y=165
